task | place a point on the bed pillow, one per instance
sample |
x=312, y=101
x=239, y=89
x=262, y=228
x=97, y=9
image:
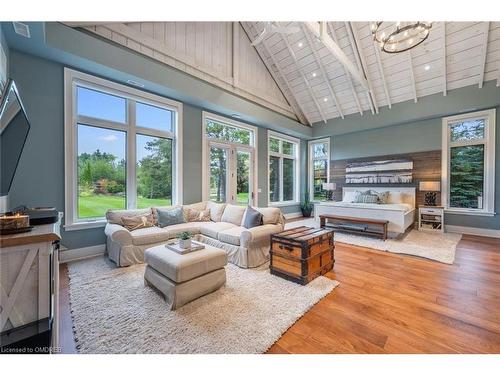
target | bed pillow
x=366, y=197
x=350, y=196
x=383, y=196
x=170, y=217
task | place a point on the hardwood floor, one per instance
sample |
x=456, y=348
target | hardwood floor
x=391, y=303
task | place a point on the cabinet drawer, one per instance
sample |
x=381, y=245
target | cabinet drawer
x=434, y=211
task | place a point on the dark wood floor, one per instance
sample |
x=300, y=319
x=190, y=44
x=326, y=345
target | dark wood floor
x=390, y=303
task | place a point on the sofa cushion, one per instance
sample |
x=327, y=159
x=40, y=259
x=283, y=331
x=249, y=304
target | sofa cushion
x=192, y=214
x=212, y=229
x=170, y=217
x=192, y=227
x=270, y=215
x=233, y=214
x=252, y=218
x=150, y=236
x=180, y=268
x=231, y=236
x=115, y=216
x=216, y=210
x=138, y=222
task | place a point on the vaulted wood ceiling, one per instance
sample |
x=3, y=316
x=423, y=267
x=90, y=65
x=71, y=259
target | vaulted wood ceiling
x=310, y=83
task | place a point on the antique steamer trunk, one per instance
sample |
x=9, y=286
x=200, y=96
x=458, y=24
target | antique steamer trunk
x=302, y=254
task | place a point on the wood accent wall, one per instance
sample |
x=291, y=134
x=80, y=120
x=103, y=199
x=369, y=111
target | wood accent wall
x=426, y=167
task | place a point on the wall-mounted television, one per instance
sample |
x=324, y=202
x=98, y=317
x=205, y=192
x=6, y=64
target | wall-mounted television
x=14, y=128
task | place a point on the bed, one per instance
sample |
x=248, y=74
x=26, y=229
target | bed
x=399, y=211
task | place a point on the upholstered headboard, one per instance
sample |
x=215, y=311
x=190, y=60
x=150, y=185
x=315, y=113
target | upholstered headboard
x=407, y=194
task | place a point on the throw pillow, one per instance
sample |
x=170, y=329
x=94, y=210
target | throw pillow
x=383, y=196
x=350, y=196
x=253, y=218
x=197, y=215
x=170, y=217
x=216, y=210
x=138, y=221
x=233, y=214
x=367, y=198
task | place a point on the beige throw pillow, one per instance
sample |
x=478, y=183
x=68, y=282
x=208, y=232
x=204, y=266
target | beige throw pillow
x=233, y=214
x=216, y=210
x=197, y=215
x=138, y=221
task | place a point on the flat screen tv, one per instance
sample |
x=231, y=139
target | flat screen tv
x=14, y=128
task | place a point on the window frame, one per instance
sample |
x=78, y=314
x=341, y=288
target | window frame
x=281, y=156
x=73, y=79
x=311, y=159
x=207, y=141
x=489, y=161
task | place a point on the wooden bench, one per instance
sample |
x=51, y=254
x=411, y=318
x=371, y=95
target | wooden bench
x=355, y=220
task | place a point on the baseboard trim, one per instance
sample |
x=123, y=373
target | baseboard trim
x=495, y=233
x=71, y=255
x=293, y=215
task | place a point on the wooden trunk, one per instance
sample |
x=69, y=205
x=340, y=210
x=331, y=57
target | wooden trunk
x=302, y=254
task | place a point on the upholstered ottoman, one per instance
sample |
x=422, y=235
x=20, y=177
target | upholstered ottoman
x=182, y=278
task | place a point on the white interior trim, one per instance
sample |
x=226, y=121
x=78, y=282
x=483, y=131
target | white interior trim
x=489, y=166
x=310, y=160
x=495, y=233
x=252, y=148
x=296, y=157
x=74, y=79
x=71, y=255
x=294, y=215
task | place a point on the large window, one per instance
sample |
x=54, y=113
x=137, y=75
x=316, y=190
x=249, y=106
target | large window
x=469, y=163
x=229, y=155
x=319, y=168
x=122, y=145
x=283, y=169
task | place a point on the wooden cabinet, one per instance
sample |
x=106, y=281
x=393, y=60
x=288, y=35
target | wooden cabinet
x=302, y=254
x=29, y=280
x=431, y=219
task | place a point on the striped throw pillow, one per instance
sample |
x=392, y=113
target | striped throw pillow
x=367, y=198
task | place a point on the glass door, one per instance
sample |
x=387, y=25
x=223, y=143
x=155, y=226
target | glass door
x=244, y=177
x=231, y=174
x=219, y=173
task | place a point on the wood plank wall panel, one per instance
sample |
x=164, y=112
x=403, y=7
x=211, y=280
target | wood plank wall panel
x=204, y=50
x=426, y=167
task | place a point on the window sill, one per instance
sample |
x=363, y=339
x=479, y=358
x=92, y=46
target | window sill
x=282, y=204
x=84, y=225
x=470, y=213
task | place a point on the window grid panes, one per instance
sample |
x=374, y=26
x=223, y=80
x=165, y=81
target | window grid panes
x=223, y=132
x=105, y=169
x=319, y=164
x=282, y=170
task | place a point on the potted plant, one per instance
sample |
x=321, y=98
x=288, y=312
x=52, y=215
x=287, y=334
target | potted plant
x=306, y=206
x=185, y=240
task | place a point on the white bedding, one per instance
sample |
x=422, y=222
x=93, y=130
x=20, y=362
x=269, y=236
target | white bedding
x=405, y=207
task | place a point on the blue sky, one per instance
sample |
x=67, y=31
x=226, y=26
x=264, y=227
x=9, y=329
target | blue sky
x=108, y=107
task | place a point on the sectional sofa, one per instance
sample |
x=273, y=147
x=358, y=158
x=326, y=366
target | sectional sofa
x=245, y=248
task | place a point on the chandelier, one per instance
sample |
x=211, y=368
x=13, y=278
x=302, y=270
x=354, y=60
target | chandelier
x=395, y=37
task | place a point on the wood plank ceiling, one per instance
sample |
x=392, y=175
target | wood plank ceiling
x=316, y=87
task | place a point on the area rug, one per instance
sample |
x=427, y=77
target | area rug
x=113, y=312
x=435, y=246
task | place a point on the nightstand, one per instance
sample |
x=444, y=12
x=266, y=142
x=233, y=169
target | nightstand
x=431, y=219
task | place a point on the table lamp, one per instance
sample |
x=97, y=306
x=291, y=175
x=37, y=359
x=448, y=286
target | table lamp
x=430, y=187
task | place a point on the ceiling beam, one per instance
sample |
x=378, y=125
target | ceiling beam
x=292, y=100
x=323, y=71
x=382, y=74
x=485, y=50
x=412, y=76
x=301, y=73
x=349, y=77
x=319, y=31
x=352, y=32
x=443, y=51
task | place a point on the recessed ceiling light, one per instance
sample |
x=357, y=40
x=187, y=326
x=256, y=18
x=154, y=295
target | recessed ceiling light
x=300, y=44
x=314, y=74
x=325, y=99
x=427, y=67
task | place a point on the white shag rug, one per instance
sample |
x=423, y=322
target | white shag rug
x=435, y=246
x=113, y=312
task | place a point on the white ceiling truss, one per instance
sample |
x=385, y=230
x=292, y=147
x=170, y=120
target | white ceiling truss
x=324, y=70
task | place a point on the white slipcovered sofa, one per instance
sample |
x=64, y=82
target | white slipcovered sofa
x=246, y=248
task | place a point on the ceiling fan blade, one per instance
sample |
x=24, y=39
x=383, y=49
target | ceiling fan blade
x=260, y=38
